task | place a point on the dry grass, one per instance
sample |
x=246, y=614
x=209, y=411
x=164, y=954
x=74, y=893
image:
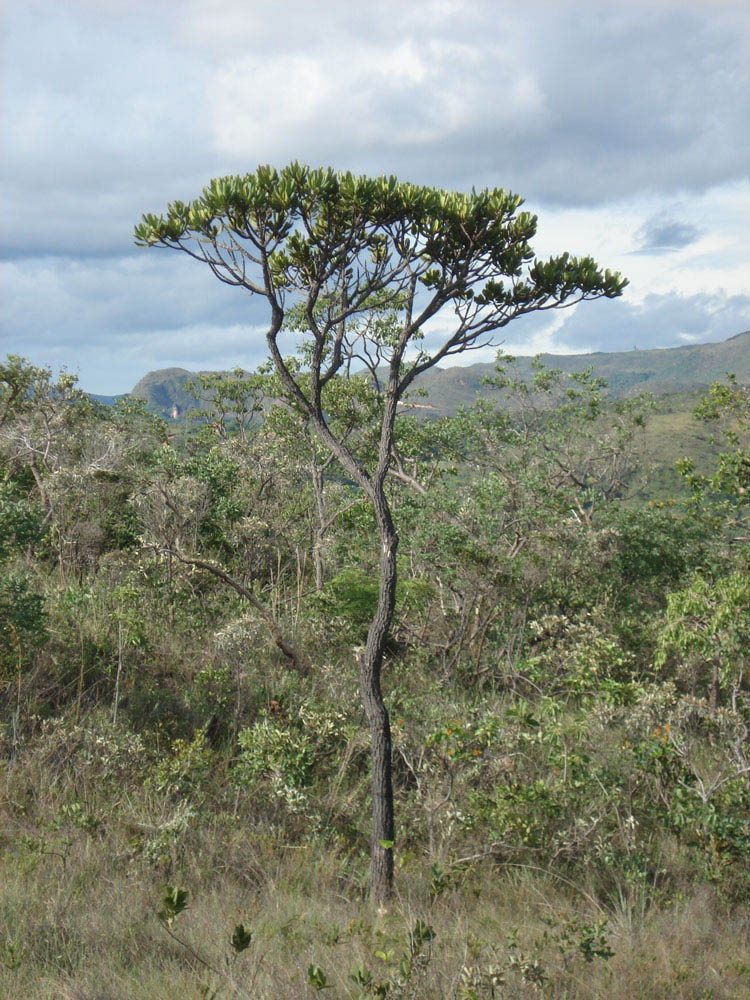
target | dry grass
x=85, y=928
x=79, y=904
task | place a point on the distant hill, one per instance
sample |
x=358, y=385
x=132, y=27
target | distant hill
x=164, y=392
x=107, y=400
x=661, y=371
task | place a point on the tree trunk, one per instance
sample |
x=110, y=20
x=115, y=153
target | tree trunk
x=714, y=691
x=318, y=561
x=317, y=481
x=370, y=664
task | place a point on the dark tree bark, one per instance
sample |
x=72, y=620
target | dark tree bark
x=370, y=666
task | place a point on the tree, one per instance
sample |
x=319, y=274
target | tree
x=37, y=417
x=726, y=491
x=22, y=615
x=338, y=246
x=707, y=623
x=74, y=451
x=548, y=456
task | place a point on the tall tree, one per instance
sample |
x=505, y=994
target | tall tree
x=455, y=268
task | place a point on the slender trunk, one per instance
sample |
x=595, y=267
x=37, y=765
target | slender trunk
x=370, y=660
x=317, y=481
x=119, y=674
x=714, y=691
x=370, y=664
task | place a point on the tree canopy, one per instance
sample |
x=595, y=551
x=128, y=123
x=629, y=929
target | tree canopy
x=335, y=241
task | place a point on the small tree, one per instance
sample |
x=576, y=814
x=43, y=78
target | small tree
x=707, y=623
x=726, y=492
x=455, y=268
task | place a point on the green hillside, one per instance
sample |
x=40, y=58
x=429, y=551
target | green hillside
x=676, y=376
x=666, y=370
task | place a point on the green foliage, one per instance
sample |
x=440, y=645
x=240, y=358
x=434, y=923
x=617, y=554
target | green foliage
x=228, y=401
x=727, y=489
x=579, y=937
x=567, y=684
x=706, y=621
x=350, y=599
x=22, y=619
x=658, y=544
x=20, y=520
x=22, y=607
x=370, y=214
x=317, y=978
x=175, y=901
x=78, y=815
x=241, y=938
x=282, y=759
x=186, y=768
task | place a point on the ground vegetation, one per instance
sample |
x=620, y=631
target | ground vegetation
x=186, y=791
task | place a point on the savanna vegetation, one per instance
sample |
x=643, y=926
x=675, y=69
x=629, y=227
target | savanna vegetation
x=309, y=696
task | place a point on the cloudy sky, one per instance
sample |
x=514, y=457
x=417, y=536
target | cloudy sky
x=625, y=126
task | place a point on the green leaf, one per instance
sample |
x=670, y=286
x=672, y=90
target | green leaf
x=317, y=978
x=241, y=938
x=175, y=901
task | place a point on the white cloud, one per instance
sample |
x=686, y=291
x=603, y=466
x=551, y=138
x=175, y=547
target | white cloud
x=718, y=259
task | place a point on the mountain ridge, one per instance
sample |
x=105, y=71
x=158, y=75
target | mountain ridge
x=659, y=370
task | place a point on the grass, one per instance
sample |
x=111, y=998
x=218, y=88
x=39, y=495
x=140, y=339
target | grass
x=78, y=914
x=89, y=936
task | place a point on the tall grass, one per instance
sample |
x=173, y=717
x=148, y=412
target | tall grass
x=80, y=896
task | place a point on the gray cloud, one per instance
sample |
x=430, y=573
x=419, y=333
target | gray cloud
x=49, y=298
x=567, y=103
x=662, y=234
x=117, y=366
x=109, y=110
x=114, y=318
x=160, y=312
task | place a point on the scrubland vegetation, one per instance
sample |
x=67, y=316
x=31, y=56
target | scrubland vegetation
x=308, y=696
x=185, y=806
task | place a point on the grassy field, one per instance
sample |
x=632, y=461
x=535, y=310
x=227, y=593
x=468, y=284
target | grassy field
x=94, y=828
x=90, y=932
